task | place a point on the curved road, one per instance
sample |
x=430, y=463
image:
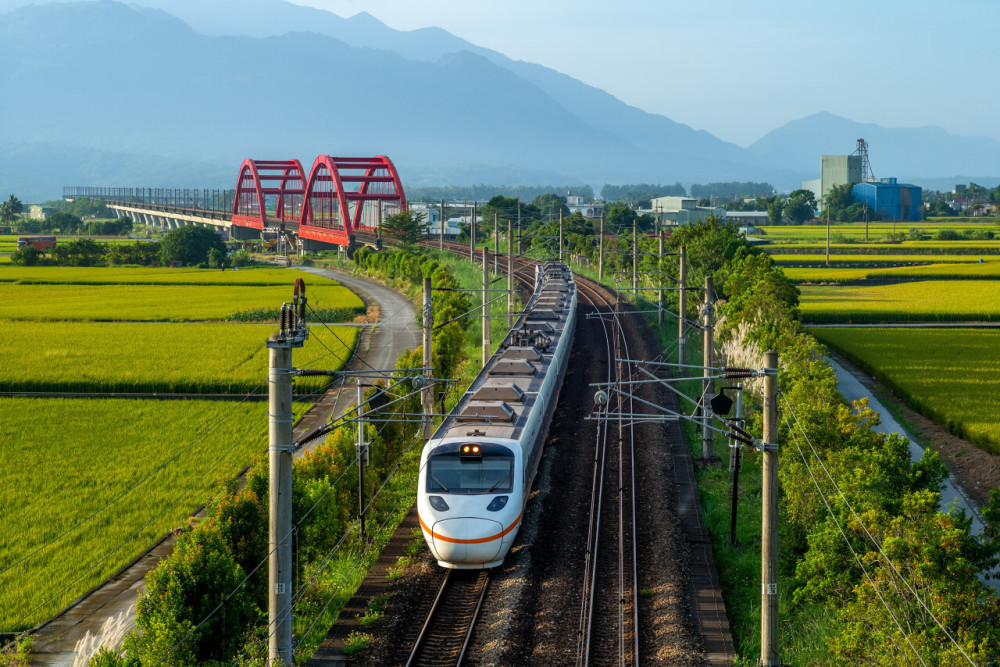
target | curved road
x=378, y=347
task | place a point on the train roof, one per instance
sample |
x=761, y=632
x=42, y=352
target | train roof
x=500, y=399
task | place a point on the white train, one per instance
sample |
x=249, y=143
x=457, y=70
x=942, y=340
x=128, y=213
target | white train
x=477, y=469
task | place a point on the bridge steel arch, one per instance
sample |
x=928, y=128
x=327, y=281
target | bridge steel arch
x=348, y=194
x=269, y=192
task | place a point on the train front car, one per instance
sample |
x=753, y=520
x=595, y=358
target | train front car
x=477, y=469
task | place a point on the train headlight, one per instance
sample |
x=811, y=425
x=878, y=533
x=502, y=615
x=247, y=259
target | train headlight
x=438, y=503
x=472, y=451
x=497, y=504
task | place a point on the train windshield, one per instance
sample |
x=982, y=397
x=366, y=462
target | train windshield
x=450, y=472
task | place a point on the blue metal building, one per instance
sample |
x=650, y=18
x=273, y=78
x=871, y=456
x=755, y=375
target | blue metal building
x=891, y=200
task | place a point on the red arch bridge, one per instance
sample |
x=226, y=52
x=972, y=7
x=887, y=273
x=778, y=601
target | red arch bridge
x=342, y=201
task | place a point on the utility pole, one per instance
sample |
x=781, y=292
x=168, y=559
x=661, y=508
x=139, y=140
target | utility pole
x=472, y=242
x=706, y=384
x=427, y=396
x=442, y=225
x=510, y=275
x=378, y=227
x=361, y=459
x=560, y=235
x=769, y=517
x=496, y=245
x=486, y=305
x=635, y=261
x=279, y=407
x=600, y=251
x=681, y=308
x=735, y=460
x=518, y=228
x=659, y=267
x=828, y=235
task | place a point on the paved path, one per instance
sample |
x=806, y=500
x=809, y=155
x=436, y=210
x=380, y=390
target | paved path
x=951, y=495
x=378, y=347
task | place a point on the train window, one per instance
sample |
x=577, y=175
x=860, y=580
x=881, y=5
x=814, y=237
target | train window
x=449, y=473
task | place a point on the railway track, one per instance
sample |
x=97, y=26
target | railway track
x=448, y=627
x=608, y=631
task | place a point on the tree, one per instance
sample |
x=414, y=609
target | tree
x=184, y=589
x=549, y=205
x=189, y=245
x=10, y=209
x=801, y=206
x=407, y=226
x=65, y=222
x=27, y=256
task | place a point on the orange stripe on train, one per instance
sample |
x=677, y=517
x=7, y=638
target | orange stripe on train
x=479, y=540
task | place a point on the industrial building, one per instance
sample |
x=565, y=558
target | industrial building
x=682, y=210
x=891, y=200
x=835, y=170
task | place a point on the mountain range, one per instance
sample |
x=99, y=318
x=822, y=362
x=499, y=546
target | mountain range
x=102, y=93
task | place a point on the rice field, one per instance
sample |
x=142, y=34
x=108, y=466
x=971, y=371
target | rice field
x=946, y=374
x=953, y=271
x=865, y=250
x=157, y=303
x=855, y=231
x=923, y=301
x=846, y=258
x=113, y=275
x=116, y=357
x=64, y=459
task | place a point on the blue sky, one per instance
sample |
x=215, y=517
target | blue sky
x=740, y=68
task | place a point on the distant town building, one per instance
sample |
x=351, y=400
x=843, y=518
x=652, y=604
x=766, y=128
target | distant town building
x=891, y=200
x=748, y=219
x=38, y=212
x=591, y=209
x=682, y=210
x=430, y=213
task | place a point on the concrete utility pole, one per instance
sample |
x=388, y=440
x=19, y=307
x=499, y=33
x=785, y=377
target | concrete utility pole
x=769, y=518
x=486, y=305
x=472, y=242
x=681, y=308
x=510, y=275
x=828, y=235
x=427, y=396
x=279, y=602
x=442, y=225
x=735, y=456
x=560, y=235
x=706, y=384
x=635, y=260
x=362, y=459
x=659, y=265
x=600, y=251
x=496, y=245
x=518, y=228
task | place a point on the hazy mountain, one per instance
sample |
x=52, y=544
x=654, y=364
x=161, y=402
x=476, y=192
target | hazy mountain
x=110, y=77
x=595, y=107
x=908, y=153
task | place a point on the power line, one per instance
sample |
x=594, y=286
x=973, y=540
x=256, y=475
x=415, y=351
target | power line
x=870, y=536
x=147, y=524
x=137, y=484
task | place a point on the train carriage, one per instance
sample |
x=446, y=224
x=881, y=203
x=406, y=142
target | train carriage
x=478, y=468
